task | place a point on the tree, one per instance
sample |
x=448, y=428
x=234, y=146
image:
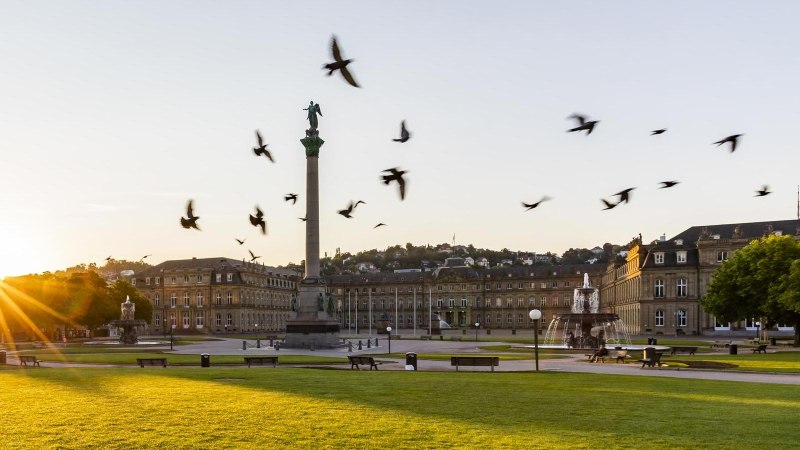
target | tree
x=759, y=282
x=122, y=289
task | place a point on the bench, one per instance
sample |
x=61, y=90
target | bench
x=762, y=348
x=490, y=361
x=596, y=358
x=654, y=360
x=721, y=344
x=151, y=362
x=261, y=360
x=689, y=350
x=425, y=338
x=25, y=359
x=356, y=361
x=622, y=355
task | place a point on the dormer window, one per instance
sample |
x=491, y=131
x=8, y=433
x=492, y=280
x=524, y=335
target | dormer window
x=681, y=257
x=722, y=255
x=778, y=233
x=659, y=257
x=678, y=241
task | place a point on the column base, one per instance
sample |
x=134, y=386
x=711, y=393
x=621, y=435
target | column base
x=308, y=334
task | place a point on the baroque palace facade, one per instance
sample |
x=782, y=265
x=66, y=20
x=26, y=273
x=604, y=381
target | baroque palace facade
x=654, y=291
x=217, y=295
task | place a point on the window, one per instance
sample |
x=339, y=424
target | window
x=681, y=317
x=173, y=280
x=566, y=284
x=463, y=302
x=520, y=318
x=158, y=281
x=200, y=298
x=186, y=278
x=543, y=285
x=229, y=320
x=158, y=301
x=147, y=281
x=451, y=303
x=681, y=257
x=554, y=284
x=510, y=286
x=186, y=319
x=157, y=321
x=659, y=317
x=173, y=300
x=544, y=301
x=438, y=303
x=519, y=285
x=218, y=299
x=230, y=298
x=510, y=318
x=499, y=319
x=172, y=319
x=199, y=319
x=199, y=278
x=186, y=299
x=219, y=320
x=658, y=292
x=659, y=257
x=722, y=255
x=439, y=287
x=219, y=278
x=682, y=287
x=229, y=277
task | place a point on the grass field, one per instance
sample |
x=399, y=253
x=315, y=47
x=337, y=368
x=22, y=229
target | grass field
x=788, y=361
x=172, y=359
x=305, y=408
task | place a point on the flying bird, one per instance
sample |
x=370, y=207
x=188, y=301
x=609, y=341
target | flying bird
x=262, y=147
x=379, y=225
x=258, y=220
x=668, y=184
x=396, y=175
x=733, y=139
x=764, y=191
x=404, y=134
x=292, y=197
x=302, y=218
x=191, y=220
x=347, y=211
x=588, y=126
x=339, y=64
x=240, y=241
x=253, y=257
x=624, y=195
x=659, y=131
x=608, y=204
x=359, y=202
x=530, y=206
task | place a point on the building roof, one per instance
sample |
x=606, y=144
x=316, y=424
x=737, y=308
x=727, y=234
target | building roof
x=217, y=264
x=748, y=230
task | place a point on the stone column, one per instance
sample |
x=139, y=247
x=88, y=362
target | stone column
x=312, y=217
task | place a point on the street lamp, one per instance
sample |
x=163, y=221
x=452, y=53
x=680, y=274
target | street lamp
x=758, y=325
x=477, y=324
x=258, y=341
x=535, y=315
x=389, y=331
x=171, y=334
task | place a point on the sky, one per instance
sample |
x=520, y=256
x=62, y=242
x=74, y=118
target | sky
x=114, y=113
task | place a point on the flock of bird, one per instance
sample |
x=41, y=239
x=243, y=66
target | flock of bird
x=394, y=174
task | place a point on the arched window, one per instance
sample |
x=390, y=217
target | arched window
x=659, y=317
x=658, y=291
x=682, y=284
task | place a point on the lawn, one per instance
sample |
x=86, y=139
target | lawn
x=129, y=357
x=305, y=408
x=788, y=361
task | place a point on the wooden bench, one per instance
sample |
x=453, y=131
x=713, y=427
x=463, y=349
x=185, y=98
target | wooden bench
x=689, y=350
x=598, y=358
x=25, y=359
x=490, y=361
x=762, y=348
x=151, y=362
x=261, y=360
x=356, y=361
x=653, y=361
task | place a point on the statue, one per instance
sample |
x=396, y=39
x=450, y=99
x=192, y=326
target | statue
x=128, y=309
x=313, y=109
x=737, y=232
x=294, y=303
x=321, y=302
x=331, y=304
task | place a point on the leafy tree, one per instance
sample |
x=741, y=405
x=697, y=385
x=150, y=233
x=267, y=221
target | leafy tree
x=762, y=280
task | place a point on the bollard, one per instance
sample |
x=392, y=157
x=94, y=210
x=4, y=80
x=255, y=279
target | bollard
x=369, y=343
x=258, y=343
x=359, y=345
x=271, y=343
x=277, y=346
x=244, y=345
x=349, y=346
x=376, y=342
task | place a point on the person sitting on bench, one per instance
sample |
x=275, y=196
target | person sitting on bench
x=599, y=353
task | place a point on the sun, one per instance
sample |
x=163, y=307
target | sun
x=21, y=255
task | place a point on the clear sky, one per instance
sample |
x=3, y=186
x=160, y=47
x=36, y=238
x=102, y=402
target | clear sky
x=114, y=113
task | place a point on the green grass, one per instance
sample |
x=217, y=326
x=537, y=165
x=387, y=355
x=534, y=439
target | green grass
x=301, y=408
x=174, y=359
x=446, y=356
x=788, y=361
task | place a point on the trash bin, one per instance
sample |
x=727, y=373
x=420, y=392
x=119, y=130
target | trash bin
x=773, y=342
x=488, y=331
x=411, y=361
x=649, y=341
x=733, y=349
x=205, y=360
x=2, y=357
x=655, y=341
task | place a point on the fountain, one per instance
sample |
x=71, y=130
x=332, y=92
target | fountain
x=127, y=324
x=584, y=326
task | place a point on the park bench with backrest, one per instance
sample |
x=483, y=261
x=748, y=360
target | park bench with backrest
x=651, y=358
x=476, y=361
x=151, y=362
x=261, y=360
x=24, y=360
x=689, y=350
x=622, y=355
x=357, y=361
x=762, y=348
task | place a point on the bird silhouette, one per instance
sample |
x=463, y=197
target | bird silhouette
x=608, y=204
x=339, y=64
x=347, y=212
x=733, y=139
x=404, y=134
x=588, y=126
x=191, y=220
x=258, y=220
x=668, y=184
x=292, y=197
x=624, y=195
x=240, y=241
x=396, y=175
x=262, y=147
x=358, y=203
x=659, y=131
x=253, y=257
x=109, y=259
x=530, y=206
x=302, y=218
x=764, y=191
x=379, y=225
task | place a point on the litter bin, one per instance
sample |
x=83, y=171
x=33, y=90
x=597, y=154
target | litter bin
x=649, y=341
x=205, y=360
x=411, y=361
x=773, y=342
x=3, y=357
x=655, y=341
x=733, y=349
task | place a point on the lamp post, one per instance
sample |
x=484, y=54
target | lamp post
x=389, y=332
x=477, y=324
x=758, y=325
x=171, y=334
x=535, y=315
x=258, y=341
